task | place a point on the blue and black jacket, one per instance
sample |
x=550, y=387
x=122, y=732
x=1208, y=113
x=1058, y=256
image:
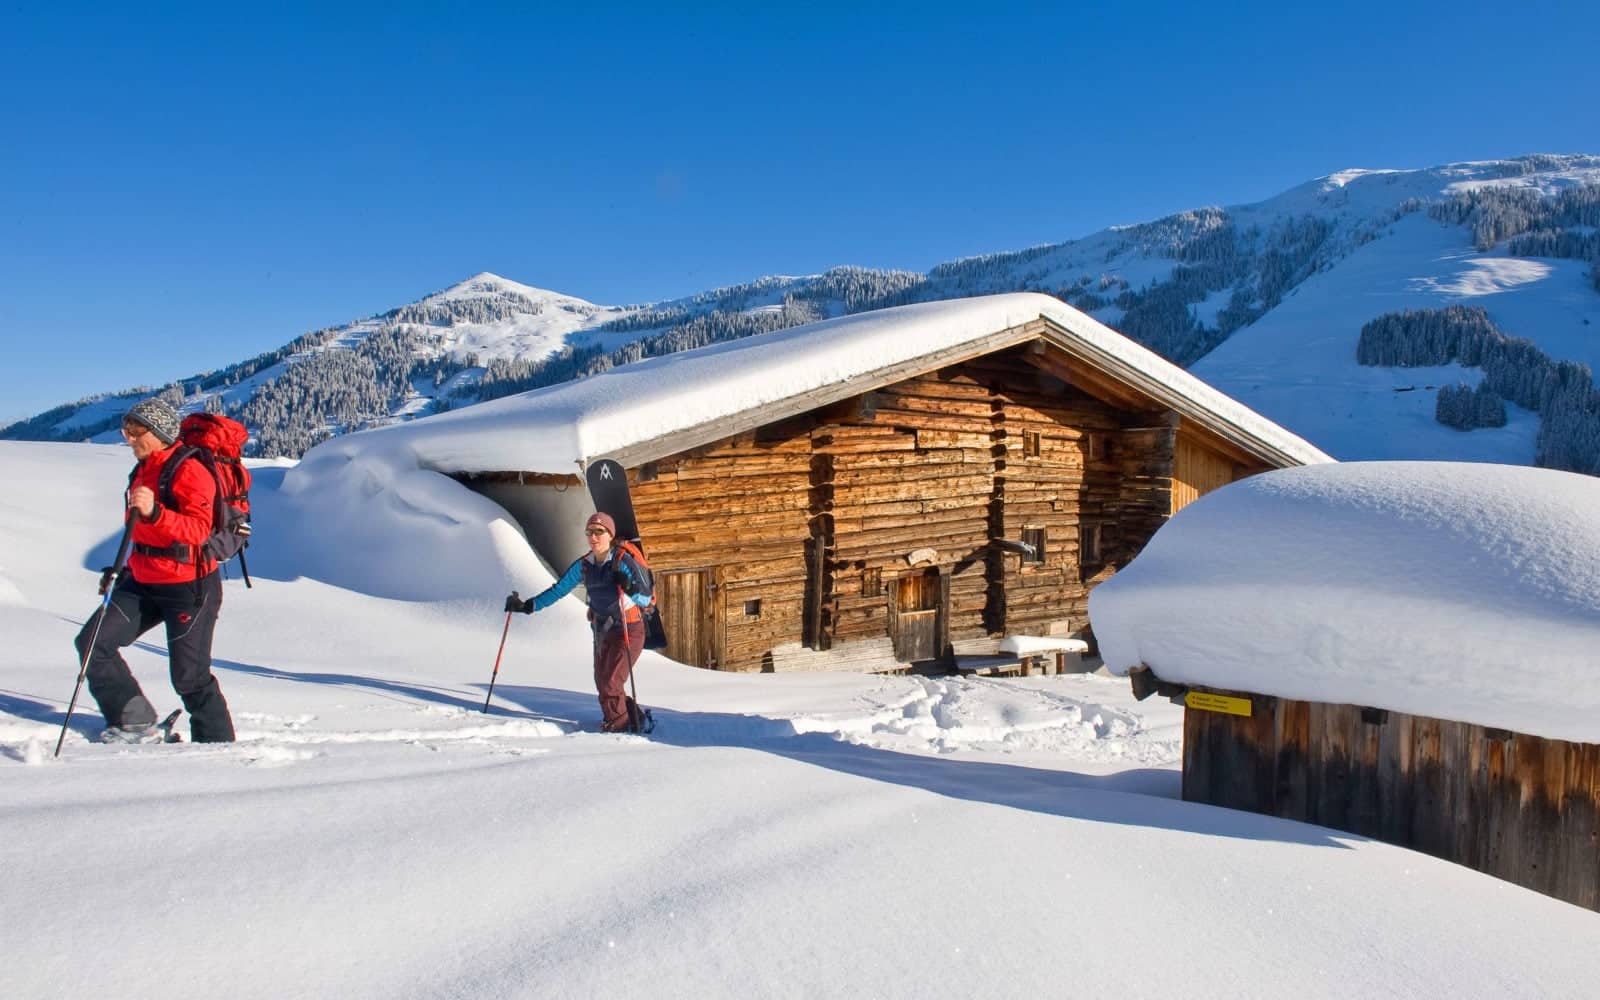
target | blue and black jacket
x=616, y=587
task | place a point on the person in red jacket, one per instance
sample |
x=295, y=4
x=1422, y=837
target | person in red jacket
x=168, y=580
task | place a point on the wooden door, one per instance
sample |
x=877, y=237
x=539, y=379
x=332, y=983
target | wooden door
x=916, y=618
x=688, y=615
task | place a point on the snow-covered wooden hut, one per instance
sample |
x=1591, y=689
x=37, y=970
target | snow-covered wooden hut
x=879, y=489
x=1403, y=650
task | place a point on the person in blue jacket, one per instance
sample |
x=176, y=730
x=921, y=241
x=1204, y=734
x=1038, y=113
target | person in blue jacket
x=617, y=589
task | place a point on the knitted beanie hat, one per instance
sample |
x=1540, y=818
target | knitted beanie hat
x=158, y=415
x=604, y=520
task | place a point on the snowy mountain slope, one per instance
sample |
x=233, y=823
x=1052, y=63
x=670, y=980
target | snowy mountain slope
x=1296, y=365
x=440, y=342
x=1264, y=300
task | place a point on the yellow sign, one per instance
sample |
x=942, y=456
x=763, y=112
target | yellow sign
x=1217, y=703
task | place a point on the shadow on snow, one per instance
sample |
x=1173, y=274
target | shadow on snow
x=1140, y=797
x=1146, y=797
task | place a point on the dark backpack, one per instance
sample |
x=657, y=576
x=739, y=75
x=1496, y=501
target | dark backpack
x=647, y=578
x=655, y=636
x=215, y=442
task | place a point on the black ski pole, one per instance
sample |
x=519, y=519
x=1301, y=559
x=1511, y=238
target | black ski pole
x=635, y=722
x=111, y=585
x=492, y=677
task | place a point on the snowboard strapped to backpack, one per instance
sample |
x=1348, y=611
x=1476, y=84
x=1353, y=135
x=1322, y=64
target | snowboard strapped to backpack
x=215, y=442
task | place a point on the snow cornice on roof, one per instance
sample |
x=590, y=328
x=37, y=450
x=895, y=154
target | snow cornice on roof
x=661, y=406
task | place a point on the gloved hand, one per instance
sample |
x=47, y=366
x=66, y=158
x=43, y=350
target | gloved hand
x=514, y=602
x=108, y=576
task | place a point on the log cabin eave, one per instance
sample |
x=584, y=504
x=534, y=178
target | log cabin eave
x=1056, y=350
x=712, y=431
x=1110, y=377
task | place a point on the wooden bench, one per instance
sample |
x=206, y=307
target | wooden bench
x=1047, y=654
x=995, y=666
x=864, y=656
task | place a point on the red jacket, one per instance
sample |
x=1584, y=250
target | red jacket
x=190, y=524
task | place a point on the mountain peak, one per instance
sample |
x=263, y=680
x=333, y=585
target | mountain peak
x=488, y=284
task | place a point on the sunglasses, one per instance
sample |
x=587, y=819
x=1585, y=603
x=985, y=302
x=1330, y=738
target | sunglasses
x=595, y=531
x=131, y=430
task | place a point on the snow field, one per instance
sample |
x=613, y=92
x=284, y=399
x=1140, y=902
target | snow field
x=373, y=834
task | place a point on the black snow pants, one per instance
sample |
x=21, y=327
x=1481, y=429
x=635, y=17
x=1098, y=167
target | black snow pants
x=189, y=611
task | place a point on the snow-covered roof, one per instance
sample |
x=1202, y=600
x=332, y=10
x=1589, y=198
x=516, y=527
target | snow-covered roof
x=1459, y=591
x=659, y=406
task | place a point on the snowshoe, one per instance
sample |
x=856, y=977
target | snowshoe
x=155, y=732
x=641, y=722
x=132, y=734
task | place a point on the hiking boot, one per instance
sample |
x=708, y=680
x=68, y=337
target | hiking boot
x=149, y=733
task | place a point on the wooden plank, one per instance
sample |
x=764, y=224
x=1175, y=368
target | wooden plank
x=901, y=460
x=924, y=476
x=1291, y=768
x=1237, y=755
x=1519, y=807
x=927, y=437
x=977, y=410
x=1579, y=830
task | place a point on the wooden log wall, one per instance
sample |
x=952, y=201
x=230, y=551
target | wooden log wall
x=832, y=519
x=1065, y=461
x=1519, y=807
x=911, y=467
x=738, y=510
x=1144, y=459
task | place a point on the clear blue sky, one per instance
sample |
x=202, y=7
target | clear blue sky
x=181, y=188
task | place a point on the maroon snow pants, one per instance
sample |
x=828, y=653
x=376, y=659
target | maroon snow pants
x=615, y=649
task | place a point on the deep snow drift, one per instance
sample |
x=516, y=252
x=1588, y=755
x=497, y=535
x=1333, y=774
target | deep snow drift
x=1454, y=590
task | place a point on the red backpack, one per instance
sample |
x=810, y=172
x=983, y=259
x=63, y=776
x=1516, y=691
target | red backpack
x=215, y=441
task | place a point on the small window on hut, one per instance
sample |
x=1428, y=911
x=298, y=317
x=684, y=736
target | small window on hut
x=1096, y=446
x=752, y=609
x=872, y=582
x=1089, y=545
x=1034, y=539
x=1031, y=442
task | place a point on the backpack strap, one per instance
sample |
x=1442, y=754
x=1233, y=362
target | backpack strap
x=640, y=565
x=178, y=551
x=169, y=472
